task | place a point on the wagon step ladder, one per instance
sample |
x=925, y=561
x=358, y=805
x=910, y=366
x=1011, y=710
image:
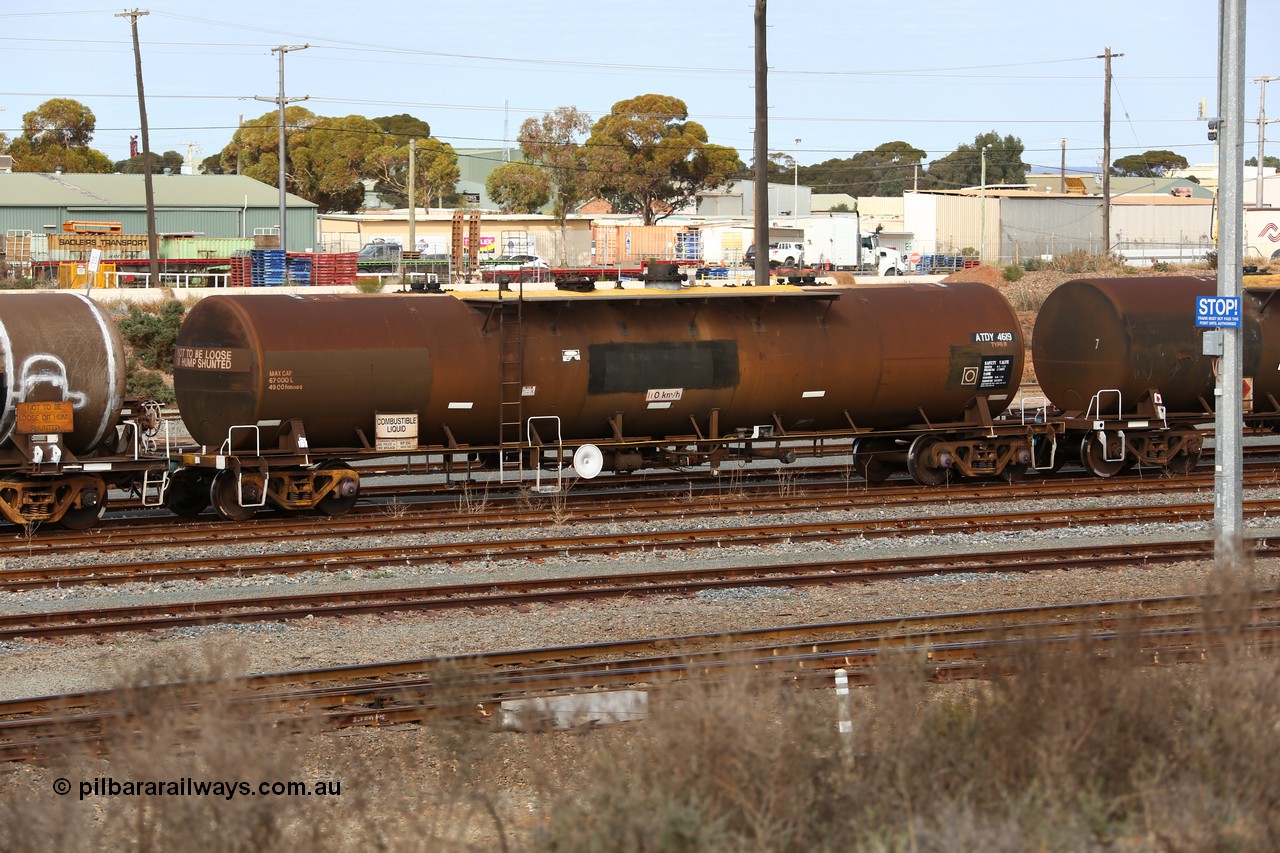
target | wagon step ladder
x=511, y=387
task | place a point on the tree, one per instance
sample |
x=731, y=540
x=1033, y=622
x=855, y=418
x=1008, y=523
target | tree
x=330, y=159
x=963, y=167
x=170, y=160
x=648, y=158
x=1153, y=164
x=56, y=135
x=1267, y=161
x=887, y=170
x=212, y=165
x=554, y=142
x=405, y=126
x=435, y=164
x=519, y=187
x=253, y=149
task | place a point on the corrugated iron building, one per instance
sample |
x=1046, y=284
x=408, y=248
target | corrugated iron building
x=1018, y=225
x=216, y=206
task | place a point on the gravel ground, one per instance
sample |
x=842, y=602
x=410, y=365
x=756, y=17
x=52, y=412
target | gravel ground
x=83, y=663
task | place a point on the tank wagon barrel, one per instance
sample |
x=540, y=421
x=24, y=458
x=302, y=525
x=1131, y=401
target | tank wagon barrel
x=699, y=367
x=1123, y=362
x=64, y=440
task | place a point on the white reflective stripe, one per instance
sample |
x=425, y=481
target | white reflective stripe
x=666, y=405
x=97, y=466
x=115, y=383
x=813, y=394
x=461, y=405
x=10, y=417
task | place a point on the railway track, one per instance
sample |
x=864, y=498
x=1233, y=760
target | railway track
x=508, y=547
x=486, y=594
x=954, y=645
x=434, y=519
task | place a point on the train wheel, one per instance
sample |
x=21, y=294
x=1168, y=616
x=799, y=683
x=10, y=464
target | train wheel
x=188, y=493
x=918, y=466
x=868, y=460
x=224, y=494
x=84, y=517
x=342, y=499
x=1186, y=461
x=1015, y=471
x=1093, y=457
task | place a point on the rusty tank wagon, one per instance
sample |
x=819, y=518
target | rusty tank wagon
x=282, y=390
x=1123, y=363
x=67, y=434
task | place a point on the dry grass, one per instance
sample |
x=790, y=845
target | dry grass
x=1070, y=754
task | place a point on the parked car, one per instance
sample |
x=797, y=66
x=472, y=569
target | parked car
x=784, y=253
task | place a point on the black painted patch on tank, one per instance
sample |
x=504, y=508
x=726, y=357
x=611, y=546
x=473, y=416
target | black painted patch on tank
x=622, y=368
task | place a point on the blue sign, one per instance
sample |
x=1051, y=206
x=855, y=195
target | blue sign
x=1217, y=312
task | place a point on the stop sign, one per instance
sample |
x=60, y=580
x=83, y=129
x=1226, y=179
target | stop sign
x=915, y=257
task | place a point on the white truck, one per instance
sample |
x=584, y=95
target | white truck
x=837, y=242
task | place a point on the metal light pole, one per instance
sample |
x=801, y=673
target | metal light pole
x=282, y=101
x=982, y=235
x=1228, y=492
x=1259, y=196
x=795, y=195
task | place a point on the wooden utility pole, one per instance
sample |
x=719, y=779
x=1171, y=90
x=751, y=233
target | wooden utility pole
x=1106, y=153
x=153, y=248
x=761, y=218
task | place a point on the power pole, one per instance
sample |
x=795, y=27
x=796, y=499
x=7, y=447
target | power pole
x=761, y=218
x=1063, y=173
x=282, y=101
x=1262, y=135
x=1106, y=152
x=1228, y=492
x=153, y=248
x=413, y=203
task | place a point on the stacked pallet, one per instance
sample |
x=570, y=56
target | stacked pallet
x=240, y=273
x=334, y=270
x=300, y=266
x=268, y=267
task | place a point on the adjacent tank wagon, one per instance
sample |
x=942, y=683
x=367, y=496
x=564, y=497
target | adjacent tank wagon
x=67, y=434
x=1122, y=361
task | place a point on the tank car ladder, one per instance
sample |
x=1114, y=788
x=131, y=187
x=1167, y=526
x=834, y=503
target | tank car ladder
x=511, y=385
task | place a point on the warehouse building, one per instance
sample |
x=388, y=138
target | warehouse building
x=214, y=206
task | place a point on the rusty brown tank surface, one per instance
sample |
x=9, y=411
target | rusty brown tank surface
x=1265, y=302
x=888, y=356
x=62, y=347
x=1130, y=335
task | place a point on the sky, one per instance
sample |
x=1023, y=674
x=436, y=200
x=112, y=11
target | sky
x=845, y=76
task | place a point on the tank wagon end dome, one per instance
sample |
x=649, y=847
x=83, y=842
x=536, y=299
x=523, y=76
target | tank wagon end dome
x=62, y=347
